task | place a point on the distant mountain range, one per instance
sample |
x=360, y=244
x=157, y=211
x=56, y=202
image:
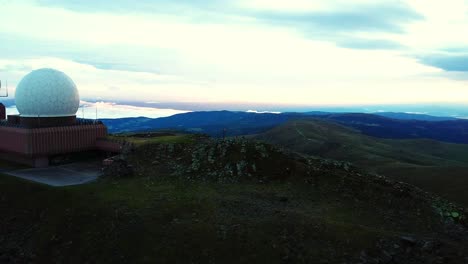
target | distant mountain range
x=393, y=115
x=212, y=123
x=410, y=116
x=383, y=125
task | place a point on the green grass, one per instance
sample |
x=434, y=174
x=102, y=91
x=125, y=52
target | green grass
x=334, y=141
x=434, y=166
x=159, y=217
x=184, y=138
x=447, y=181
x=148, y=219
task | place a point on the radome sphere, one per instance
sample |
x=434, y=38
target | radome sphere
x=47, y=93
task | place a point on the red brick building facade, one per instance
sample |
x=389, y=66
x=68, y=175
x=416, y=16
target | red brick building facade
x=34, y=146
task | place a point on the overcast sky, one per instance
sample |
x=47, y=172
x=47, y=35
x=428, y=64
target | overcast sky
x=265, y=51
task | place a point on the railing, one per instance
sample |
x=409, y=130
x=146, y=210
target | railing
x=5, y=123
x=79, y=122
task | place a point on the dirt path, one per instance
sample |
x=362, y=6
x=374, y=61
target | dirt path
x=300, y=132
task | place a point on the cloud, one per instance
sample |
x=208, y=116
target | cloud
x=94, y=82
x=455, y=63
x=350, y=25
x=268, y=51
x=195, y=11
x=114, y=88
x=331, y=20
x=107, y=57
x=337, y=15
x=263, y=112
x=367, y=18
x=129, y=6
x=372, y=44
x=112, y=110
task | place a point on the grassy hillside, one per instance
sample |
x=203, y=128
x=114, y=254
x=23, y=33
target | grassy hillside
x=449, y=182
x=180, y=206
x=408, y=160
x=153, y=137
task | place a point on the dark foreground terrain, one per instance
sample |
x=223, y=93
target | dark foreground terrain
x=196, y=200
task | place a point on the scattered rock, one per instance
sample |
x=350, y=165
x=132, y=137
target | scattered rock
x=429, y=246
x=118, y=168
x=409, y=240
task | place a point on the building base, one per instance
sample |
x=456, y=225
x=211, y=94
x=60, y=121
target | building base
x=34, y=146
x=36, y=162
x=41, y=122
x=41, y=162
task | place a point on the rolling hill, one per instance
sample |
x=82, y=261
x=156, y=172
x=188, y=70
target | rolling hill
x=435, y=166
x=244, y=123
x=455, y=131
x=212, y=122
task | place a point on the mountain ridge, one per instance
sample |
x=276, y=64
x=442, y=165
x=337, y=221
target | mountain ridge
x=219, y=123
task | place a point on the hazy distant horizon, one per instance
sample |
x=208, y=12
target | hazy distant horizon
x=122, y=109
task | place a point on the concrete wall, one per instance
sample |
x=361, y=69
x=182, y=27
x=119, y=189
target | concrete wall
x=109, y=146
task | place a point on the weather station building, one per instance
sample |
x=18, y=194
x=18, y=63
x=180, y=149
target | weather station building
x=47, y=101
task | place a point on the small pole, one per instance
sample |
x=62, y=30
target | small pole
x=6, y=88
x=95, y=120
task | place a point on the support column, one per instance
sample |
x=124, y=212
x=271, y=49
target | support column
x=41, y=162
x=2, y=112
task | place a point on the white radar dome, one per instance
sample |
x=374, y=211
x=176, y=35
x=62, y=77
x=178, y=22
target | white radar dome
x=47, y=93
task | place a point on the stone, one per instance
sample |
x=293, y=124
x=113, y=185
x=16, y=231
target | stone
x=409, y=240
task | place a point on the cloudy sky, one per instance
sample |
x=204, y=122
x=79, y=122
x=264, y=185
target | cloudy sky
x=306, y=52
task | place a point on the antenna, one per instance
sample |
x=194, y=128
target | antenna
x=99, y=99
x=6, y=88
